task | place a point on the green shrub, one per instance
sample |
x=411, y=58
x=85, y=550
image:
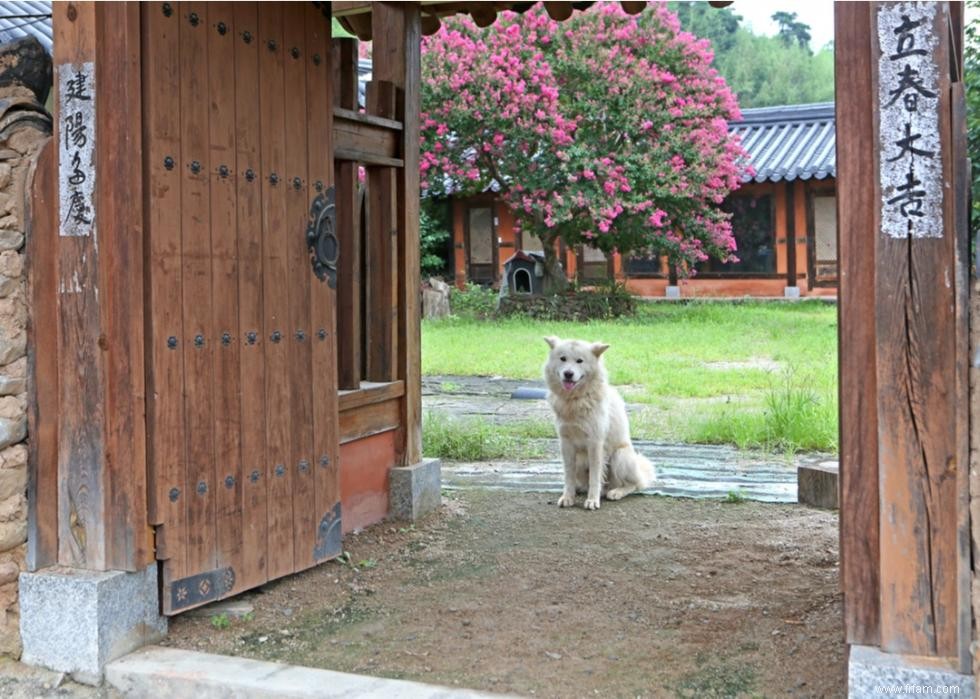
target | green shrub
x=610, y=300
x=432, y=242
x=474, y=301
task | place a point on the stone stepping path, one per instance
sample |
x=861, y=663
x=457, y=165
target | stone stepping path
x=695, y=471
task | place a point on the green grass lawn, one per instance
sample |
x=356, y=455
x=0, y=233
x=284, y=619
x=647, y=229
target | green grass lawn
x=752, y=374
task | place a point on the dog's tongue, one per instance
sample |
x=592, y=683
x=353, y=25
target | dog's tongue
x=568, y=385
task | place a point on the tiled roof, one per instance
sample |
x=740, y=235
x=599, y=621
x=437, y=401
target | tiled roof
x=788, y=143
x=18, y=19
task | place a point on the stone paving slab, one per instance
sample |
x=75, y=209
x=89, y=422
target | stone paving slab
x=170, y=672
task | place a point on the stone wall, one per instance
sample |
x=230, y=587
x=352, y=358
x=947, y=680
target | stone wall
x=24, y=129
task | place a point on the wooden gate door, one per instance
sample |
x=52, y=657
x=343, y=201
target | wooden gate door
x=241, y=380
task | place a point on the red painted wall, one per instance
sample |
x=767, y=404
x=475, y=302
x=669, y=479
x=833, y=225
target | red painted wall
x=364, y=466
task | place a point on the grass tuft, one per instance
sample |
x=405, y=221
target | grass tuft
x=476, y=439
x=796, y=415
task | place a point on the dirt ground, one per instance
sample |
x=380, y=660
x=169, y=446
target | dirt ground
x=504, y=592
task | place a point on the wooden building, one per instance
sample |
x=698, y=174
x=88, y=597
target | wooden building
x=224, y=370
x=783, y=217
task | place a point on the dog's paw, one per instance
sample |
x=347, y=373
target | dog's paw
x=567, y=500
x=592, y=503
x=618, y=493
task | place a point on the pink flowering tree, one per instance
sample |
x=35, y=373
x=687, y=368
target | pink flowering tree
x=605, y=129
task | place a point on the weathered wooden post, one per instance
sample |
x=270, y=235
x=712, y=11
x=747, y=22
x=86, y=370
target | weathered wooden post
x=104, y=542
x=904, y=526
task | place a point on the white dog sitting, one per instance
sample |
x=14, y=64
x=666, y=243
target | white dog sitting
x=593, y=429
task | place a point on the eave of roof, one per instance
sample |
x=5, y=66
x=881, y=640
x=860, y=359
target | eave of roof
x=790, y=142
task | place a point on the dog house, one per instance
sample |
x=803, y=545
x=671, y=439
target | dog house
x=524, y=272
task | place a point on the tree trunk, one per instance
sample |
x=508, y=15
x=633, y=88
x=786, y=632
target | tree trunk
x=554, y=280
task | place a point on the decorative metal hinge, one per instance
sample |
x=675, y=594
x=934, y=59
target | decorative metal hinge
x=321, y=237
x=329, y=536
x=204, y=587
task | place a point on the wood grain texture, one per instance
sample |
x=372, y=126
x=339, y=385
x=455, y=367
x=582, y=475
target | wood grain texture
x=856, y=175
x=917, y=452
x=960, y=218
x=410, y=331
x=81, y=393
x=300, y=338
x=120, y=234
x=226, y=352
x=381, y=252
x=251, y=302
x=166, y=455
x=42, y=367
x=275, y=295
x=200, y=339
x=101, y=433
x=323, y=299
x=371, y=393
x=368, y=420
x=349, y=282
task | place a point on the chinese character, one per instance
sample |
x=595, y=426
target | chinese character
x=906, y=40
x=910, y=199
x=75, y=131
x=77, y=88
x=911, y=102
x=80, y=211
x=907, y=145
x=909, y=80
x=77, y=176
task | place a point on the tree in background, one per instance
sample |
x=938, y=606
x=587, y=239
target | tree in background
x=606, y=129
x=763, y=71
x=792, y=32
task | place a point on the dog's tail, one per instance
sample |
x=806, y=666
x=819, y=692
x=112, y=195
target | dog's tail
x=645, y=472
x=633, y=467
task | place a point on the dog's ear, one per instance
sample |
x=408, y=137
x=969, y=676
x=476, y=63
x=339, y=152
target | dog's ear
x=552, y=341
x=598, y=348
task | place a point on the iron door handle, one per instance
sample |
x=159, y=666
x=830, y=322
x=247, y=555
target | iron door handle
x=321, y=237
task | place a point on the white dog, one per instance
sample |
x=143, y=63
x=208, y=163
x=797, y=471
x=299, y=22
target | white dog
x=593, y=429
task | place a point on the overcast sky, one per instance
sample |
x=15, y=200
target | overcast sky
x=819, y=14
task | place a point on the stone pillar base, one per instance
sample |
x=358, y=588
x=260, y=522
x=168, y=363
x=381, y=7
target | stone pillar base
x=415, y=490
x=791, y=292
x=816, y=485
x=673, y=292
x=871, y=673
x=76, y=621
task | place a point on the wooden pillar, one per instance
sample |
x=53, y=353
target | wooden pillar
x=396, y=54
x=381, y=267
x=904, y=552
x=790, y=208
x=102, y=515
x=856, y=174
x=349, y=282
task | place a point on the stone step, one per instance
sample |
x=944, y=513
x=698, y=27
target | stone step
x=817, y=484
x=155, y=671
